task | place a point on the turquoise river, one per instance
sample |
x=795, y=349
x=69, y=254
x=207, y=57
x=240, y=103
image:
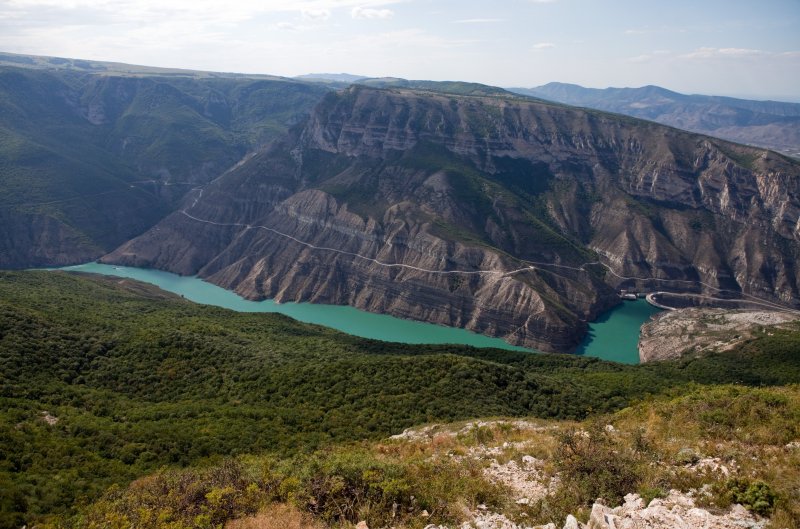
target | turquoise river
x=613, y=336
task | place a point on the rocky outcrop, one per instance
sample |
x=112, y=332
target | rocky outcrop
x=529, y=481
x=488, y=213
x=675, y=333
x=676, y=510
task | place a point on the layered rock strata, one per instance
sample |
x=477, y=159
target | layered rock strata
x=501, y=215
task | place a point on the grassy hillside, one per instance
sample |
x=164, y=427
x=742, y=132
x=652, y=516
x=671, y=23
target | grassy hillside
x=103, y=380
x=89, y=159
x=440, y=473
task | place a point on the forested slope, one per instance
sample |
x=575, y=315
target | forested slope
x=103, y=380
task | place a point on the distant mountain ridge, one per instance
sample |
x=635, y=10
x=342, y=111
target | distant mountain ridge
x=770, y=124
x=42, y=62
x=334, y=77
x=344, y=80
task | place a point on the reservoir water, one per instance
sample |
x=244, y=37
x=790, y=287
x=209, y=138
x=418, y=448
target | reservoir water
x=615, y=334
x=613, y=337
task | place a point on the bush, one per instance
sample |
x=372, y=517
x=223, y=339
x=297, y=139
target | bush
x=165, y=382
x=648, y=494
x=336, y=487
x=204, y=498
x=349, y=484
x=755, y=496
x=595, y=465
x=686, y=456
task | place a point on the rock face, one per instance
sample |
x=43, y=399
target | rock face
x=484, y=212
x=674, y=333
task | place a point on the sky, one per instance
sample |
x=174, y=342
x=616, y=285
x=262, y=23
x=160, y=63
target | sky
x=743, y=48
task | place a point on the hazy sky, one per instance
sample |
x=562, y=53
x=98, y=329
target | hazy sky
x=729, y=47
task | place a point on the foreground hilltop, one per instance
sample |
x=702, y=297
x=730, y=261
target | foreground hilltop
x=503, y=215
x=720, y=458
x=104, y=380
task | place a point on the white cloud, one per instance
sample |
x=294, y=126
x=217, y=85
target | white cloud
x=145, y=11
x=661, y=30
x=287, y=26
x=718, y=53
x=289, y=37
x=738, y=52
x=410, y=38
x=400, y=53
x=647, y=57
x=361, y=12
x=316, y=14
x=478, y=20
x=702, y=54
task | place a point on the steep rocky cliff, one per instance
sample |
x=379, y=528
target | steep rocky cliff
x=503, y=215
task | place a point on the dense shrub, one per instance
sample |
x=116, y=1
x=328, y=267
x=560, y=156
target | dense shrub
x=756, y=496
x=340, y=486
x=594, y=464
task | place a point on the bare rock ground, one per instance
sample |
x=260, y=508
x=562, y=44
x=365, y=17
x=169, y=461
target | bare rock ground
x=674, y=333
x=528, y=479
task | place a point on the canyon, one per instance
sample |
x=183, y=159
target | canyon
x=503, y=215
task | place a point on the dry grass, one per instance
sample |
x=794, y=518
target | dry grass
x=438, y=474
x=745, y=430
x=277, y=516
